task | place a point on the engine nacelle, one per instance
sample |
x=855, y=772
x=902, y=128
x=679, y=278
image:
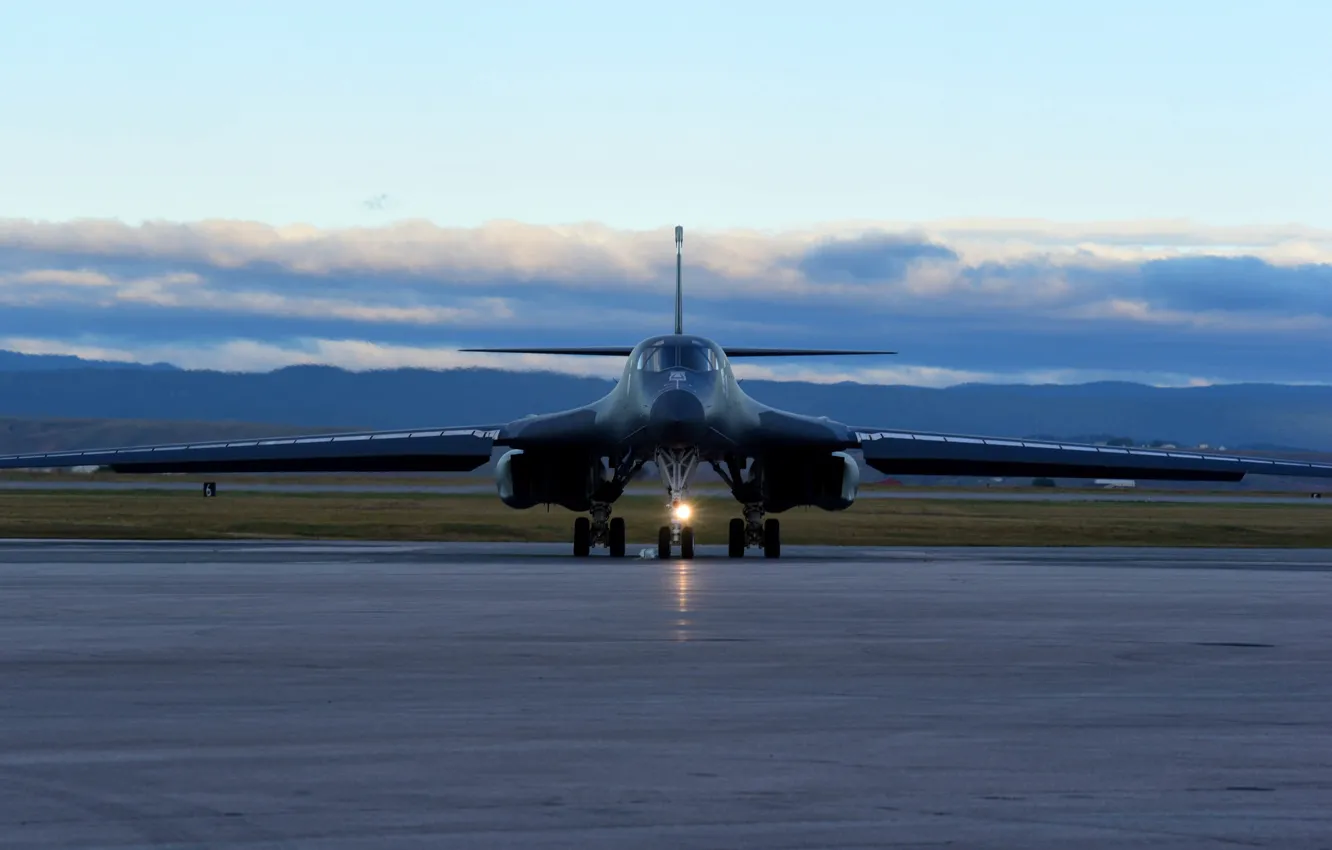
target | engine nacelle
x=828, y=481
x=525, y=479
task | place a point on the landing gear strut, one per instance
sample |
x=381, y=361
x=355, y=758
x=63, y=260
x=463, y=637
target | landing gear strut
x=754, y=530
x=600, y=529
x=677, y=467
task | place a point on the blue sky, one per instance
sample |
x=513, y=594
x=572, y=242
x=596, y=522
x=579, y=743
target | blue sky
x=1026, y=191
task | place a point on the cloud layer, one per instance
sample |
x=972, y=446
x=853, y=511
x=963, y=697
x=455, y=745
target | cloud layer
x=1164, y=302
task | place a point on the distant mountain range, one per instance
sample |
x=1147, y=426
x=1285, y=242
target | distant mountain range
x=14, y=361
x=1255, y=416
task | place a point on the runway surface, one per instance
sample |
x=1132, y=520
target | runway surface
x=1032, y=495
x=357, y=696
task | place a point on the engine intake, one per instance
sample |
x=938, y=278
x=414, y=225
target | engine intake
x=526, y=479
x=828, y=481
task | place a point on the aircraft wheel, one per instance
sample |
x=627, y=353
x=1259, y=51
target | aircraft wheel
x=687, y=543
x=582, y=537
x=617, y=537
x=663, y=542
x=735, y=538
x=772, y=539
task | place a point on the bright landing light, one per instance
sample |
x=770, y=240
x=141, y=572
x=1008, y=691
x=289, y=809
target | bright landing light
x=682, y=511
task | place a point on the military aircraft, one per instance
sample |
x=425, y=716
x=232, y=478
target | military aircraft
x=677, y=404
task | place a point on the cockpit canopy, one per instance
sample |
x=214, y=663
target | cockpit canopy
x=695, y=355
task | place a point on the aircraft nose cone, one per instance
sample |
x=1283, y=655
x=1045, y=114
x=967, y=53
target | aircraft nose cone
x=678, y=417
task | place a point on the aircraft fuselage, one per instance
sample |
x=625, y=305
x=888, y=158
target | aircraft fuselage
x=677, y=392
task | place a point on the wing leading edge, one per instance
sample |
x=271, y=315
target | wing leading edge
x=920, y=453
x=421, y=450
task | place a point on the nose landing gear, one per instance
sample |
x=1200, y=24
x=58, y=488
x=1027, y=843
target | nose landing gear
x=664, y=542
x=677, y=467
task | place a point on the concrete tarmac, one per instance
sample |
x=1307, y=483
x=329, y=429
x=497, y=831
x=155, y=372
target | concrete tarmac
x=315, y=696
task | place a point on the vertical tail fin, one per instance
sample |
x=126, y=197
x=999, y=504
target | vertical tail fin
x=679, y=286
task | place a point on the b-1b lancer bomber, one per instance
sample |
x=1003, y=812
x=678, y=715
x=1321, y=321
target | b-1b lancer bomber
x=677, y=405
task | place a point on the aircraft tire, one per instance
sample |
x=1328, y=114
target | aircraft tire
x=582, y=537
x=617, y=537
x=772, y=539
x=735, y=538
x=664, y=543
x=687, y=543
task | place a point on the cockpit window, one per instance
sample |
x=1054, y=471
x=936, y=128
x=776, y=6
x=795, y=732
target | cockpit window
x=693, y=356
x=696, y=358
x=658, y=358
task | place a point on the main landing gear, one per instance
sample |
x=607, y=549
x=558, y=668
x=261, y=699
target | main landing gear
x=677, y=467
x=586, y=534
x=754, y=530
x=601, y=529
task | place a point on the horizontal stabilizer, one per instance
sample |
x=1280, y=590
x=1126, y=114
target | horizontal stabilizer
x=796, y=352
x=616, y=351
x=593, y=351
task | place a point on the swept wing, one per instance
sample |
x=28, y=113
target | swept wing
x=456, y=449
x=923, y=453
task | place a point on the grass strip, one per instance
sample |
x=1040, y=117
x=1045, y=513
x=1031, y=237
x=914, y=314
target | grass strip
x=167, y=515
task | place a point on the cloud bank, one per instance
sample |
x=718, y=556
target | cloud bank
x=1163, y=302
